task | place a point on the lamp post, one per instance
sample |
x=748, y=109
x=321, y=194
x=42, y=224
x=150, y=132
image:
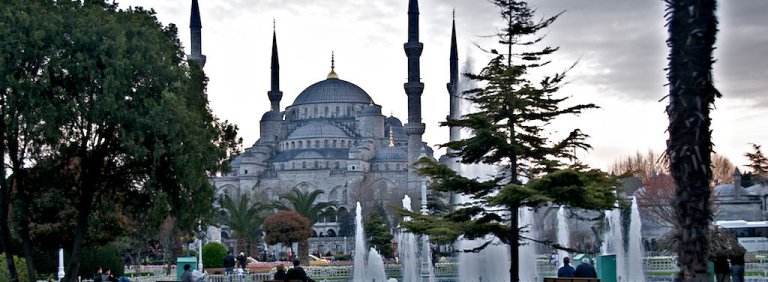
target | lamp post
x=425, y=251
x=61, y=264
x=201, y=235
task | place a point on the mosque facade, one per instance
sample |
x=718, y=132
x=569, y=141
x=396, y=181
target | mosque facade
x=333, y=138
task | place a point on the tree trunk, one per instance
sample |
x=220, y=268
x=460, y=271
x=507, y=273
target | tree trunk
x=5, y=199
x=303, y=252
x=77, y=245
x=514, y=245
x=692, y=28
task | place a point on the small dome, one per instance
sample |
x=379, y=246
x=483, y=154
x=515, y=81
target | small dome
x=317, y=130
x=272, y=115
x=390, y=154
x=398, y=131
x=393, y=121
x=332, y=91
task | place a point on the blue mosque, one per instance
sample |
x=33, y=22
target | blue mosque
x=334, y=138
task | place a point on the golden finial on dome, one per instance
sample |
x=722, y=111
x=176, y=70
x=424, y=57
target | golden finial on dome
x=391, y=137
x=332, y=74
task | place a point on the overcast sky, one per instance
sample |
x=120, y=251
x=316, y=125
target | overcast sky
x=619, y=45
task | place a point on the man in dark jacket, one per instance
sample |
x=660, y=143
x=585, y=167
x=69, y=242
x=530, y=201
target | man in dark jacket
x=585, y=270
x=229, y=263
x=566, y=270
x=297, y=273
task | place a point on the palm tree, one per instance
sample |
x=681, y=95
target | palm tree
x=692, y=27
x=304, y=203
x=244, y=217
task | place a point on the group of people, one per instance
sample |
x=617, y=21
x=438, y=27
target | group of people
x=232, y=263
x=295, y=273
x=583, y=270
x=105, y=275
x=192, y=276
x=733, y=272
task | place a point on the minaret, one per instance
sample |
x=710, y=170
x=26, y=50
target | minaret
x=275, y=95
x=195, y=31
x=453, y=85
x=413, y=88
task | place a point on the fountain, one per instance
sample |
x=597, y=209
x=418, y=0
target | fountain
x=528, y=267
x=635, y=252
x=562, y=234
x=614, y=241
x=368, y=267
x=407, y=249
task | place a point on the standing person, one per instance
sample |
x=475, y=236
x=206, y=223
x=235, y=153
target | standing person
x=553, y=259
x=566, y=270
x=297, y=273
x=97, y=275
x=722, y=270
x=186, y=276
x=280, y=274
x=229, y=264
x=737, y=266
x=585, y=270
x=241, y=260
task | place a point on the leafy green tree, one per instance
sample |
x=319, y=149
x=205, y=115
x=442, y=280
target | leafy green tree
x=244, y=217
x=106, y=257
x=692, y=27
x=758, y=164
x=509, y=130
x=213, y=255
x=287, y=227
x=346, y=223
x=306, y=204
x=376, y=227
x=4, y=271
x=113, y=107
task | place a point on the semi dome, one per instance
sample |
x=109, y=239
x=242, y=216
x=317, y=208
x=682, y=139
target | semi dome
x=332, y=90
x=317, y=130
x=271, y=116
x=390, y=154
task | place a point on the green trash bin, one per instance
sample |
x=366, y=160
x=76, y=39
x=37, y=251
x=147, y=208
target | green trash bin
x=180, y=262
x=606, y=268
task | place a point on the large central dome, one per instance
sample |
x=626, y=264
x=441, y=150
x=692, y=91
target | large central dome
x=332, y=90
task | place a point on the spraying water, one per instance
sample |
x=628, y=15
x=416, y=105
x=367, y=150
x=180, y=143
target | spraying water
x=527, y=263
x=409, y=265
x=635, y=252
x=613, y=241
x=360, y=257
x=375, y=268
x=562, y=234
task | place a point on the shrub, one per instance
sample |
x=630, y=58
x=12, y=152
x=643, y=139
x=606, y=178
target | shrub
x=21, y=268
x=342, y=256
x=105, y=257
x=213, y=255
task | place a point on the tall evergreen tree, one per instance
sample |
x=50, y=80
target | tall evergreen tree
x=758, y=164
x=509, y=130
x=692, y=27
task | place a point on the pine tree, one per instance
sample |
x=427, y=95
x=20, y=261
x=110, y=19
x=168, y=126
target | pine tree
x=758, y=164
x=509, y=131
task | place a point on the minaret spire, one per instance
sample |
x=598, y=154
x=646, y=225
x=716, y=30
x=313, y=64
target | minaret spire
x=453, y=84
x=413, y=89
x=195, y=27
x=275, y=95
x=332, y=74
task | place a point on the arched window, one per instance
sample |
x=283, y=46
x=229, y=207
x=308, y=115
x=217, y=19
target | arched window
x=293, y=145
x=331, y=233
x=317, y=143
x=326, y=111
x=334, y=143
x=301, y=144
x=343, y=142
x=314, y=112
x=325, y=143
x=303, y=164
x=337, y=110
